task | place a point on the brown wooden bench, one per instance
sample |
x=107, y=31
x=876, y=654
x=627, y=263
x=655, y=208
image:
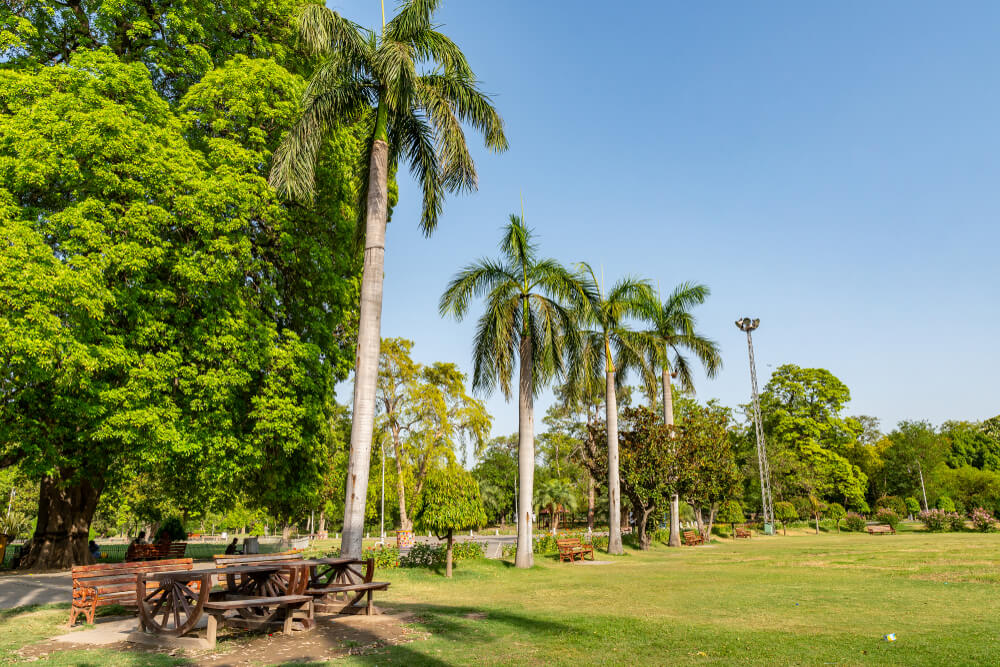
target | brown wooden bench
x=349, y=580
x=743, y=533
x=222, y=561
x=258, y=613
x=570, y=548
x=881, y=529
x=112, y=583
x=159, y=551
x=692, y=539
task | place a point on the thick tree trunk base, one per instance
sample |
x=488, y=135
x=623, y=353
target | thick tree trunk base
x=63, y=530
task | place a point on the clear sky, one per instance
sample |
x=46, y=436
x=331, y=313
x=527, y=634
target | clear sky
x=831, y=168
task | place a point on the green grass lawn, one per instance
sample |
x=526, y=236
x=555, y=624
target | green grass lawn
x=805, y=600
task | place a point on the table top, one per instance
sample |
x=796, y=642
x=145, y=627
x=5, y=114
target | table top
x=326, y=561
x=201, y=574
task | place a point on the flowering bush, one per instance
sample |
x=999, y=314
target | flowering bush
x=945, y=503
x=385, y=557
x=934, y=520
x=433, y=555
x=956, y=522
x=886, y=515
x=854, y=522
x=983, y=520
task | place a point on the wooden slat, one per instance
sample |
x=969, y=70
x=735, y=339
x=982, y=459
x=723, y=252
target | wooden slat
x=347, y=588
x=133, y=567
x=256, y=602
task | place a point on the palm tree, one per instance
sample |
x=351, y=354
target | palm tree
x=609, y=348
x=417, y=117
x=526, y=320
x=673, y=331
x=556, y=494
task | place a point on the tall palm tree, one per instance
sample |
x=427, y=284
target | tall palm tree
x=527, y=320
x=422, y=90
x=609, y=348
x=673, y=331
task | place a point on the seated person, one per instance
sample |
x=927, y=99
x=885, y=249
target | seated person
x=232, y=548
x=95, y=551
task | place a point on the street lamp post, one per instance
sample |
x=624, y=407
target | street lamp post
x=748, y=325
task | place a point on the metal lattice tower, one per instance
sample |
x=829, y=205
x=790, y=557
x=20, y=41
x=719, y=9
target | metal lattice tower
x=748, y=325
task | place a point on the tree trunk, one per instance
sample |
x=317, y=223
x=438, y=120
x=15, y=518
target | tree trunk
x=369, y=342
x=700, y=520
x=322, y=521
x=286, y=535
x=614, y=490
x=711, y=522
x=525, y=456
x=447, y=560
x=555, y=521
x=675, y=501
x=404, y=520
x=591, y=501
x=644, y=538
x=62, y=533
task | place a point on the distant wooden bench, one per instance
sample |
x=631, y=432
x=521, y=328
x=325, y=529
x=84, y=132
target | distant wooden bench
x=160, y=551
x=342, y=580
x=222, y=561
x=743, y=533
x=881, y=529
x=692, y=539
x=570, y=548
x=112, y=583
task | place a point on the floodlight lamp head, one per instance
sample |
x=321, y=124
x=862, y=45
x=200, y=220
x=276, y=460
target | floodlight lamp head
x=746, y=324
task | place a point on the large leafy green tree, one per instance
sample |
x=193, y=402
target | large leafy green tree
x=451, y=502
x=149, y=306
x=672, y=330
x=556, y=495
x=915, y=450
x=413, y=88
x=526, y=323
x=610, y=349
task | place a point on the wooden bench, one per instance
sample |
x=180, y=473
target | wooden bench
x=112, y=583
x=743, y=533
x=569, y=549
x=692, y=539
x=160, y=551
x=222, y=561
x=257, y=613
x=364, y=587
x=881, y=529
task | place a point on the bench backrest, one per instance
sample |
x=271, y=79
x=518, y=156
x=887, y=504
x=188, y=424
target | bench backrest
x=227, y=560
x=569, y=542
x=120, y=577
x=690, y=533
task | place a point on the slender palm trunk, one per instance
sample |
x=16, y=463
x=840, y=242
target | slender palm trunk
x=675, y=501
x=591, y=501
x=525, y=456
x=614, y=490
x=369, y=342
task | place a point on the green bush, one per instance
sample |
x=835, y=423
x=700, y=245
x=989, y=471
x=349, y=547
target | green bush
x=912, y=506
x=785, y=512
x=660, y=535
x=935, y=520
x=730, y=512
x=887, y=515
x=385, y=557
x=960, y=507
x=546, y=544
x=835, y=512
x=983, y=520
x=945, y=504
x=803, y=508
x=956, y=522
x=434, y=555
x=894, y=503
x=854, y=522
x=173, y=528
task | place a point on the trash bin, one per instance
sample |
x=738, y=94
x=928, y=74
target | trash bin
x=251, y=545
x=769, y=529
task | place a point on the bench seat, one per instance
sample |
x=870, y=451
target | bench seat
x=113, y=583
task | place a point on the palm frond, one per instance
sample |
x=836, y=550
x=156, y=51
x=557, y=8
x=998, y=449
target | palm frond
x=413, y=18
x=496, y=346
x=411, y=135
x=323, y=30
x=436, y=47
x=470, y=105
x=476, y=280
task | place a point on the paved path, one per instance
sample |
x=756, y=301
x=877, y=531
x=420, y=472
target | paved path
x=21, y=590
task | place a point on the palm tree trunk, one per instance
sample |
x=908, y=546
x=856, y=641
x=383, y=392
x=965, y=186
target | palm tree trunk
x=614, y=490
x=369, y=342
x=591, y=501
x=675, y=501
x=525, y=456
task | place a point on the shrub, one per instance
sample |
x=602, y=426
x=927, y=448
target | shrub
x=983, y=520
x=912, y=506
x=934, y=520
x=468, y=551
x=785, y=512
x=960, y=507
x=854, y=522
x=956, y=521
x=730, y=512
x=173, y=528
x=945, y=503
x=803, y=508
x=546, y=544
x=423, y=555
x=660, y=535
x=385, y=557
x=887, y=515
x=894, y=503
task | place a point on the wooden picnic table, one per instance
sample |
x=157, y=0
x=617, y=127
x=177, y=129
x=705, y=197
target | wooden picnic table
x=178, y=600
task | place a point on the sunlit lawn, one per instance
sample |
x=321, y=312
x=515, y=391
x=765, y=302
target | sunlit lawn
x=826, y=599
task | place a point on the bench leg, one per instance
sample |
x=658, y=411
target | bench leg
x=369, y=611
x=92, y=611
x=73, y=613
x=211, y=630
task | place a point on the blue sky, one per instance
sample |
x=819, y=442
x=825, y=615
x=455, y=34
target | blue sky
x=833, y=169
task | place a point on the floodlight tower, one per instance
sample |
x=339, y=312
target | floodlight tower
x=748, y=325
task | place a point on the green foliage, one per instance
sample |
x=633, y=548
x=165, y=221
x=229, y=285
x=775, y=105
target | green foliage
x=13, y=525
x=945, y=503
x=785, y=512
x=970, y=486
x=433, y=556
x=836, y=512
x=173, y=528
x=730, y=511
x=972, y=444
x=983, y=521
x=451, y=502
x=854, y=522
x=803, y=508
x=934, y=520
x=496, y=473
x=912, y=505
x=887, y=515
x=547, y=544
x=894, y=503
x=914, y=448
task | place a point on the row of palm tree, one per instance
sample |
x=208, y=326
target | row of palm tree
x=556, y=323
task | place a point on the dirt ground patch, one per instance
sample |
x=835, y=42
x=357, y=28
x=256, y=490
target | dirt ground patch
x=333, y=637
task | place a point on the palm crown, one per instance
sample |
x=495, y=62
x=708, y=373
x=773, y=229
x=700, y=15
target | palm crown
x=418, y=113
x=525, y=298
x=673, y=330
